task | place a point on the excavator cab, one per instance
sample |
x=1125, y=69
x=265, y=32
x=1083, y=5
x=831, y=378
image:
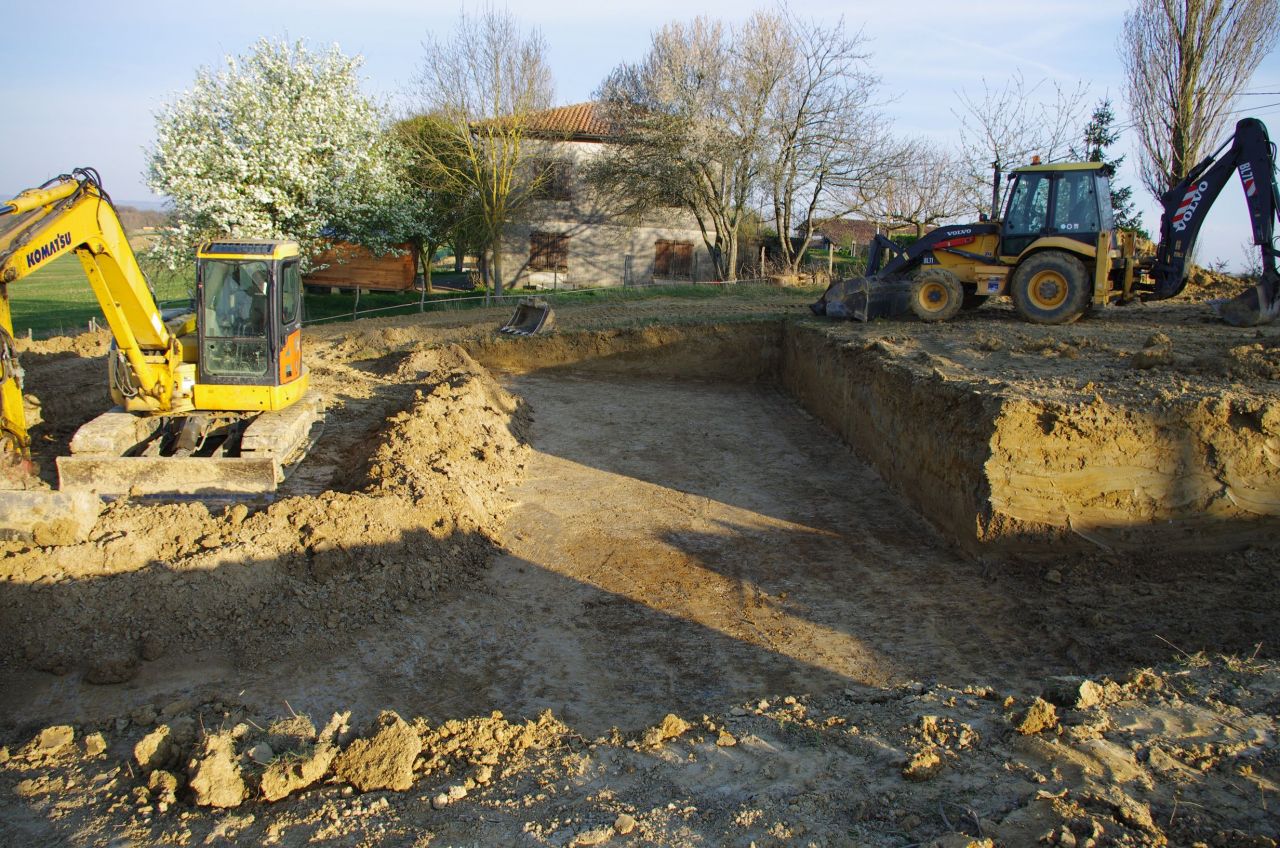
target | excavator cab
x=1069, y=201
x=249, y=320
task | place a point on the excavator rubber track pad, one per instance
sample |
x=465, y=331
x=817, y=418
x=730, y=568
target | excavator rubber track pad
x=47, y=517
x=532, y=315
x=285, y=435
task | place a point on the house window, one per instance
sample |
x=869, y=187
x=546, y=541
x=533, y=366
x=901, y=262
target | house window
x=555, y=179
x=673, y=259
x=548, y=252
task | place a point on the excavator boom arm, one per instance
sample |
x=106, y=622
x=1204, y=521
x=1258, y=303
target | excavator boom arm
x=72, y=213
x=1250, y=154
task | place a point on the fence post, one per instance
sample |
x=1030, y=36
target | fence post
x=355, y=307
x=831, y=258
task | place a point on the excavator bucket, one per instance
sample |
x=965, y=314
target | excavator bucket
x=864, y=299
x=1257, y=305
x=532, y=315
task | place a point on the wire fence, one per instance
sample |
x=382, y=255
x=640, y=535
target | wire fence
x=488, y=299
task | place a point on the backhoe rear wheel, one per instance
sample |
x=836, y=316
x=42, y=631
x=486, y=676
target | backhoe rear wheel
x=936, y=295
x=1051, y=287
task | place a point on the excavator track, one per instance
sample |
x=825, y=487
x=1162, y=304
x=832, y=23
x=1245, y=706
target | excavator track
x=109, y=456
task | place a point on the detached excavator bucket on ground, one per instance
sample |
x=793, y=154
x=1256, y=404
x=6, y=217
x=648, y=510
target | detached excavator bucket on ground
x=532, y=315
x=865, y=299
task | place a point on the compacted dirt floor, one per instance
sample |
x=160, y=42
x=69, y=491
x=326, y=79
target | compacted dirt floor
x=598, y=600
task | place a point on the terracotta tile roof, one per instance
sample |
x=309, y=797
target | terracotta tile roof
x=579, y=121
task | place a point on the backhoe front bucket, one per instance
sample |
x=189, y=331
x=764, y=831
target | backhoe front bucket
x=864, y=299
x=532, y=315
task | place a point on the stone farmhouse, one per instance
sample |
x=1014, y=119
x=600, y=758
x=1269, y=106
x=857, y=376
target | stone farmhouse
x=571, y=238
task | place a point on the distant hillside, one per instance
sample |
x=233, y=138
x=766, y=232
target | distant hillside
x=135, y=219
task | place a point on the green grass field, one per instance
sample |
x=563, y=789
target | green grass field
x=57, y=300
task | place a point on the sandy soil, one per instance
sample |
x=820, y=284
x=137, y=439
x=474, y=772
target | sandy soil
x=702, y=617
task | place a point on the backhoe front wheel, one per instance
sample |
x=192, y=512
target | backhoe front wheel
x=1051, y=287
x=936, y=295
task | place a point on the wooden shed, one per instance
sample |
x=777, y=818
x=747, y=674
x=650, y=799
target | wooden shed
x=352, y=266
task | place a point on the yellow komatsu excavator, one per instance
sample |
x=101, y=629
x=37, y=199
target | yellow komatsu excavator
x=214, y=401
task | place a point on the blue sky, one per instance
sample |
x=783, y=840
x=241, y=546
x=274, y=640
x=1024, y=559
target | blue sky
x=83, y=83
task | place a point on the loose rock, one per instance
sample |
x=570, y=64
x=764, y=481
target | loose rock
x=53, y=739
x=1038, y=717
x=672, y=726
x=155, y=750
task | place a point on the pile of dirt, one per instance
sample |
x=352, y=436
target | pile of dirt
x=1183, y=755
x=84, y=345
x=155, y=579
x=1207, y=284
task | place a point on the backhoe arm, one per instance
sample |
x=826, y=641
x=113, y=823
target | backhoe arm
x=72, y=213
x=1253, y=157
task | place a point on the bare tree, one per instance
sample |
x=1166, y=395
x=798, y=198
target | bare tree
x=1185, y=62
x=932, y=190
x=827, y=139
x=485, y=81
x=693, y=132
x=717, y=118
x=1006, y=125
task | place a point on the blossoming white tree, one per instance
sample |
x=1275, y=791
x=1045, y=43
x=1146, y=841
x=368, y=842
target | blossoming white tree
x=278, y=143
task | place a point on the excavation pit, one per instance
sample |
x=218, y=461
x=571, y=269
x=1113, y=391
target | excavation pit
x=789, y=529
x=983, y=452
x=739, y=507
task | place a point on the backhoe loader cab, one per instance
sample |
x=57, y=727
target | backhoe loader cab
x=1071, y=201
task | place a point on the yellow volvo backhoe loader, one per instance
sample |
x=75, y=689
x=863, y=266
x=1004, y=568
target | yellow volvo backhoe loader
x=1057, y=253
x=210, y=402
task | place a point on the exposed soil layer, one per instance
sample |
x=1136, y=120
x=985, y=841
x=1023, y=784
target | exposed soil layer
x=635, y=526
x=995, y=463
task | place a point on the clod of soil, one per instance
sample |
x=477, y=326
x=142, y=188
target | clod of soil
x=383, y=759
x=215, y=777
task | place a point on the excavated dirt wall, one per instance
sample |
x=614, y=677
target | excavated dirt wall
x=738, y=352
x=1203, y=472
x=928, y=438
x=997, y=469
